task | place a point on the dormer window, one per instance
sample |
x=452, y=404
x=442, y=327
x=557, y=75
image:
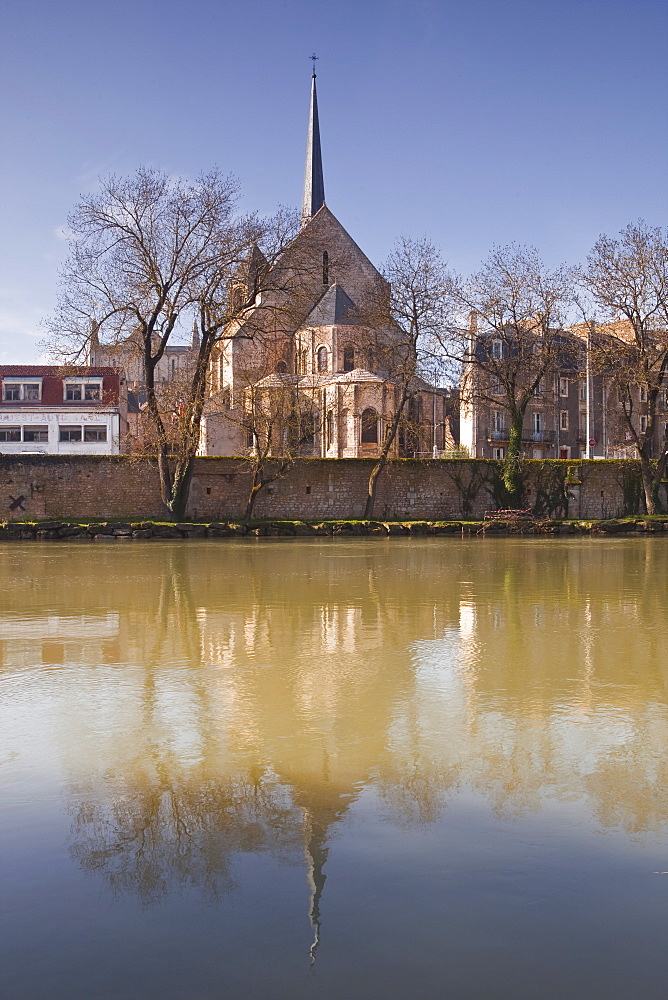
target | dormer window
x=78, y=390
x=15, y=391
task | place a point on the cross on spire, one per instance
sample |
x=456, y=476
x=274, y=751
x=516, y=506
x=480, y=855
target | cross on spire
x=313, y=59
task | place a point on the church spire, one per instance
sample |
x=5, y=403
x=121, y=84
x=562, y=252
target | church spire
x=314, y=184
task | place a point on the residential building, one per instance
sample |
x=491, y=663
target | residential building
x=57, y=411
x=576, y=412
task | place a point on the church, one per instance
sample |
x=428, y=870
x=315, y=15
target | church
x=309, y=368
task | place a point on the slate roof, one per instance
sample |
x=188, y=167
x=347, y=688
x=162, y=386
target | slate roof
x=335, y=307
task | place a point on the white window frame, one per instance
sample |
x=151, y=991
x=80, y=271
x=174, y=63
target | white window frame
x=564, y=386
x=96, y=428
x=563, y=420
x=21, y=384
x=82, y=384
x=70, y=427
x=35, y=429
x=10, y=428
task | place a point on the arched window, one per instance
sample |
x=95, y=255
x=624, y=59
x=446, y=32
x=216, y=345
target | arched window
x=322, y=359
x=173, y=367
x=237, y=298
x=369, y=426
x=330, y=428
x=369, y=359
x=281, y=368
x=348, y=358
x=325, y=268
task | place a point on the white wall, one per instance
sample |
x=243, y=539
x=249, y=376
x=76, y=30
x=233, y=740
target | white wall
x=54, y=420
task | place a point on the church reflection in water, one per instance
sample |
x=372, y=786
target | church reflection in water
x=210, y=701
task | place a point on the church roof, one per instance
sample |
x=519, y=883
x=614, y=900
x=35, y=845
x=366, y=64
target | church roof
x=355, y=376
x=335, y=307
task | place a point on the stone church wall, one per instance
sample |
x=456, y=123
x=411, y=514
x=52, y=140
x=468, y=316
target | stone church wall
x=121, y=487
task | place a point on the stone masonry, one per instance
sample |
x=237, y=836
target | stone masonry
x=43, y=487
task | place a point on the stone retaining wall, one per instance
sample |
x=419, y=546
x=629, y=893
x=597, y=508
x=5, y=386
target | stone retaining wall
x=123, y=487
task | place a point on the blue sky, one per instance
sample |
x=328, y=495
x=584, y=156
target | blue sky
x=478, y=123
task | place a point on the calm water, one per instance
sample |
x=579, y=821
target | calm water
x=367, y=769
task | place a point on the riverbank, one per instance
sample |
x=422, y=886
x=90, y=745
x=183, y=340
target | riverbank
x=146, y=530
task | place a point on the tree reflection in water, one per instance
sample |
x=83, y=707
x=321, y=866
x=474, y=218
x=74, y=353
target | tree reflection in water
x=251, y=693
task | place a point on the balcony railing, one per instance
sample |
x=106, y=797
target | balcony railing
x=534, y=437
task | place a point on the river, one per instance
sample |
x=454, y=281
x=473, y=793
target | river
x=367, y=768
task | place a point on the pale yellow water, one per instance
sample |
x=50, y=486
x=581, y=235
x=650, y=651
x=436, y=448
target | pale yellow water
x=335, y=769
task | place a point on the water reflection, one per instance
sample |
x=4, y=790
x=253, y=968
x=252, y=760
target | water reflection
x=210, y=701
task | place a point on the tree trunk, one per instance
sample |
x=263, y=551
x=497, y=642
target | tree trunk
x=373, y=485
x=382, y=461
x=256, y=486
x=651, y=481
x=181, y=487
x=512, y=465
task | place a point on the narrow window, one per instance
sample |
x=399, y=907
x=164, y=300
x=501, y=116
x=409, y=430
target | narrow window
x=643, y=425
x=369, y=426
x=93, y=390
x=563, y=421
x=344, y=428
x=369, y=359
x=325, y=268
x=322, y=359
x=563, y=386
x=73, y=392
x=348, y=358
x=537, y=423
x=497, y=351
x=330, y=428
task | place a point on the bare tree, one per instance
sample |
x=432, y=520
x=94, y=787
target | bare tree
x=278, y=419
x=408, y=329
x=150, y=254
x=628, y=280
x=515, y=339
